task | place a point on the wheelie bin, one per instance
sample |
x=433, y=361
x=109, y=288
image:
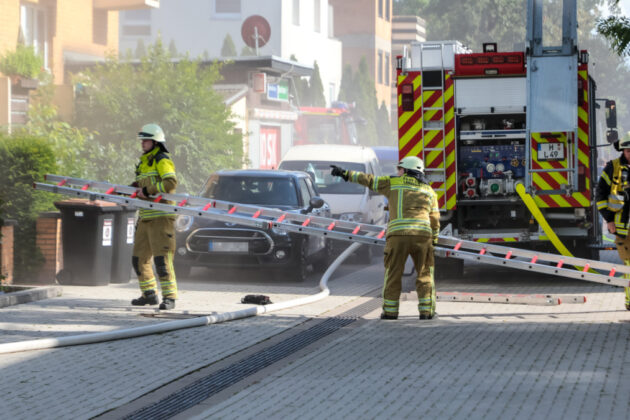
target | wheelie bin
x=87, y=231
x=124, y=231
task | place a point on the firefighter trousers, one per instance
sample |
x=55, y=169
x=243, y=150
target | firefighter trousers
x=397, y=249
x=623, y=249
x=155, y=238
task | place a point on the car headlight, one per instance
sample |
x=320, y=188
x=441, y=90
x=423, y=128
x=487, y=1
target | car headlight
x=351, y=217
x=183, y=223
x=279, y=231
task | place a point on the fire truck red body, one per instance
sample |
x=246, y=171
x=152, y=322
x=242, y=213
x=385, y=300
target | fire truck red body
x=318, y=125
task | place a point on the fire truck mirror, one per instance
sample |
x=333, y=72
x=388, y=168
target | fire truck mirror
x=406, y=92
x=612, y=136
x=611, y=114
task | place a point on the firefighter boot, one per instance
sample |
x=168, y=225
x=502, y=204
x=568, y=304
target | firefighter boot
x=388, y=316
x=426, y=315
x=148, y=298
x=167, y=303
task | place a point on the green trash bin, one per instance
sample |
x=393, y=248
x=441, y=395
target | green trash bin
x=87, y=232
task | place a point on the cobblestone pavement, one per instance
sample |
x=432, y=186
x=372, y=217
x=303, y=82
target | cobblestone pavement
x=476, y=360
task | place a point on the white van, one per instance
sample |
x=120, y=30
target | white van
x=347, y=200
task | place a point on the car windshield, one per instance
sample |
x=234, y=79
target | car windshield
x=265, y=191
x=320, y=173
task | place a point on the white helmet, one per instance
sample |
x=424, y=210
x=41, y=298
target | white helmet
x=413, y=163
x=152, y=132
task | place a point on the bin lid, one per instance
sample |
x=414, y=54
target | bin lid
x=94, y=205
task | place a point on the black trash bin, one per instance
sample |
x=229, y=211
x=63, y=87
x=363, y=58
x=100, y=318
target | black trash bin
x=124, y=231
x=87, y=233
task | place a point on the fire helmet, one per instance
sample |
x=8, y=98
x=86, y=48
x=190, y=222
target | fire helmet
x=152, y=132
x=413, y=163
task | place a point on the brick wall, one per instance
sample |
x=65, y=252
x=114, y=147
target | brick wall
x=49, y=243
x=6, y=253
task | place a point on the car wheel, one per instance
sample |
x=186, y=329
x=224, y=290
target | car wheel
x=301, y=267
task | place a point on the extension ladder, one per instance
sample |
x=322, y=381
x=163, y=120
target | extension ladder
x=267, y=218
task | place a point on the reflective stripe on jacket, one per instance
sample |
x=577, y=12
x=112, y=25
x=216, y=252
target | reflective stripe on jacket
x=156, y=173
x=605, y=186
x=413, y=206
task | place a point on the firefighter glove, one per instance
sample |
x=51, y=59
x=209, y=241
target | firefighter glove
x=337, y=171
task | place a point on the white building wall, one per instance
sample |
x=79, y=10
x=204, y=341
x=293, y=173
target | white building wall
x=196, y=29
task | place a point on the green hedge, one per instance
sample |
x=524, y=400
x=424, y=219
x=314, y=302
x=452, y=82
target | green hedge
x=25, y=160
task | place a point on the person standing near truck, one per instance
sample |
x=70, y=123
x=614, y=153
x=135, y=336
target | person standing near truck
x=414, y=224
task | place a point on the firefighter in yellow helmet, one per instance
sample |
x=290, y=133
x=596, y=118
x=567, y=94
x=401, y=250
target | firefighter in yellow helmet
x=613, y=201
x=412, y=230
x=155, y=231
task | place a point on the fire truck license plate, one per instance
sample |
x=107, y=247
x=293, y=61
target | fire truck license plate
x=550, y=151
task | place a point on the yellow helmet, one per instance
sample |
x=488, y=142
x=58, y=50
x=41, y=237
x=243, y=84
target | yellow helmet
x=624, y=143
x=413, y=163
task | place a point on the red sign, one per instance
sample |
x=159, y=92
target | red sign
x=269, y=147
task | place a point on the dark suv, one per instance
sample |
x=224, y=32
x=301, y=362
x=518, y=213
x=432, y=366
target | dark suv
x=215, y=244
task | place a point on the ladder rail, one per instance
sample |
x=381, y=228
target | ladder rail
x=266, y=218
x=529, y=255
x=202, y=202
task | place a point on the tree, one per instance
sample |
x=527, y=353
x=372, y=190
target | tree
x=120, y=97
x=247, y=51
x=141, y=50
x=172, y=49
x=228, y=49
x=385, y=133
x=358, y=88
x=316, y=89
x=301, y=87
x=616, y=29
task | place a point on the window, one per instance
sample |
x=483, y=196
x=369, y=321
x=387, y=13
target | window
x=380, y=8
x=387, y=9
x=317, y=25
x=34, y=27
x=388, y=66
x=227, y=9
x=379, y=68
x=136, y=22
x=306, y=194
x=296, y=12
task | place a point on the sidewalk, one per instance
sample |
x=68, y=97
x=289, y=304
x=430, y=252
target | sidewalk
x=474, y=361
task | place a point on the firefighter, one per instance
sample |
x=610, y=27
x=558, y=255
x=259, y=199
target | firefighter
x=155, y=230
x=613, y=201
x=412, y=230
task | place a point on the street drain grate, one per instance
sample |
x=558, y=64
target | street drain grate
x=204, y=388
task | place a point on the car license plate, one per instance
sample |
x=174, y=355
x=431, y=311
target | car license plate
x=550, y=151
x=217, y=246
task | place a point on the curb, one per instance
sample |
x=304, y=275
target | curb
x=32, y=295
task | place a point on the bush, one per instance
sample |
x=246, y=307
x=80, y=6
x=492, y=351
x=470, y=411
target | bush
x=21, y=62
x=26, y=159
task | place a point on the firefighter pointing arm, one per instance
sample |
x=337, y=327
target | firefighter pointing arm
x=412, y=230
x=155, y=232
x=613, y=201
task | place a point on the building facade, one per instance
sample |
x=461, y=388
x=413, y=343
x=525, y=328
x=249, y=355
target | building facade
x=299, y=28
x=365, y=29
x=405, y=30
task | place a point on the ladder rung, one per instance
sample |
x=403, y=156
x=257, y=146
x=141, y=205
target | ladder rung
x=380, y=235
x=483, y=251
x=560, y=263
x=331, y=226
x=356, y=230
x=62, y=183
x=612, y=272
x=586, y=267
x=111, y=190
x=85, y=187
x=281, y=218
x=135, y=193
x=182, y=203
x=207, y=206
x=157, y=199
x=232, y=210
x=306, y=222
x=255, y=215
x=534, y=259
x=457, y=246
x=508, y=255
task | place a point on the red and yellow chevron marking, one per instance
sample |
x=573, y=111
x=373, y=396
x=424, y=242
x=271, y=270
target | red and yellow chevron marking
x=433, y=159
x=410, y=122
x=432, y=115
x=449, y=142
x=432, y=99
x=552, y=180
x=433, y=139
x=485, y=240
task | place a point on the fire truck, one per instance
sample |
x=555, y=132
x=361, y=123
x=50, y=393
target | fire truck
x=320, y=125
x=490, y=124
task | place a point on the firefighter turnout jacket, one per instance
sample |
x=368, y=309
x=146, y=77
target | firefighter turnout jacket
x=155, y=174
x=413, y=206
x=612, y=198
